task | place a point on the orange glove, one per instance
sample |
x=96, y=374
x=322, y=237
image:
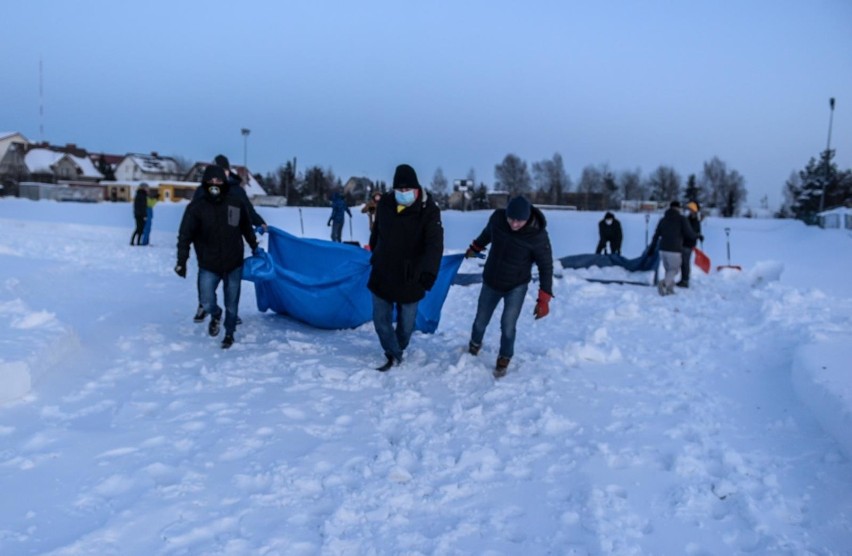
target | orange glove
x=542, y=307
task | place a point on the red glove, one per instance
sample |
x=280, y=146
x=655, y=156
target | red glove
x=542, y=307
x=474, y=251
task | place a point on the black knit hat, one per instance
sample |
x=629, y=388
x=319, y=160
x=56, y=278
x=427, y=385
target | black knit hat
x=674, y=204
x=518, y=209
x=222, y=161
x=405, y=178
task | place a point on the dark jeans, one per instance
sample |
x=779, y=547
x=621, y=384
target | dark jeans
x=337, y=231
x=393, y=341
x=614, y=248
x=513, y=301
x=685, y=264
x=208, y=282
x=136, y=238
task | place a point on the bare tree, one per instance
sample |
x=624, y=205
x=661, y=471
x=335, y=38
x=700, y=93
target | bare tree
x=439, y=182
x=664, y=184
x=512, y=175
x=725, y=189
x=631, y=186
x=551, y=179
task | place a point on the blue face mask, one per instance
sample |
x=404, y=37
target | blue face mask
x=405, y=198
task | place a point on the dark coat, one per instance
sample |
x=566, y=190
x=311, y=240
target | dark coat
x=672, y=230
x=611, y=233
x=695, y=224
x=140, y=203
x=216, y=229
x=406, y=246
x=509, y=263
x=339, y=210
x=235, y=188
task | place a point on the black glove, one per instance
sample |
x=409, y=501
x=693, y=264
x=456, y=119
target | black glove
x=701, y=238
x=180, y=270
x=427, y=280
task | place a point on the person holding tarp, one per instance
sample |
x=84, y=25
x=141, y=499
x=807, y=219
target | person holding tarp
x=407, y=242
x=672, y=230
x=609, y=231
x=519, y=238
x=694, y=218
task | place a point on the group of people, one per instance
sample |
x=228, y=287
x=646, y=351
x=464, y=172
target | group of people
x=406, y=245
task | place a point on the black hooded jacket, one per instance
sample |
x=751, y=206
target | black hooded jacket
x=407, y=247
x=512, y=254
x=216, y=227
x=672, y=231
x=140, y=203
x=610, y=232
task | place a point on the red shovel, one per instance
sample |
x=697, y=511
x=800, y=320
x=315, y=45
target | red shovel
x=729, y=265
x=702, y=261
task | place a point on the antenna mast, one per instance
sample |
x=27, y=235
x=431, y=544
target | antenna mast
x=40, y=100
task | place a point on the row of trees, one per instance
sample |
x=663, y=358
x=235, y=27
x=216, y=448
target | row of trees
x=819, y=185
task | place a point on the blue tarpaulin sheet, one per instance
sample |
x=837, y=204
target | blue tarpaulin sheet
x=324, y=284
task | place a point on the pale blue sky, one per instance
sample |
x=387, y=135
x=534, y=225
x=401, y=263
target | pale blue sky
x=362, y=86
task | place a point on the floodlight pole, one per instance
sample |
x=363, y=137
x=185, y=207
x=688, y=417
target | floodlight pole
x=245, y=132
x=827, y=155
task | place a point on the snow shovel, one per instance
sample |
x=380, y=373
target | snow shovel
x=702, y=261
x=728, y=242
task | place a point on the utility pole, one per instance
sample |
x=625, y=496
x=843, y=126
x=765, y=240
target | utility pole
x=827, y=156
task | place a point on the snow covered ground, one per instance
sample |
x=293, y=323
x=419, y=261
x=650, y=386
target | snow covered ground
x=715, y=421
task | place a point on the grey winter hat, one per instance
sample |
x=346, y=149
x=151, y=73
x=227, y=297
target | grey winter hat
x=518, y=209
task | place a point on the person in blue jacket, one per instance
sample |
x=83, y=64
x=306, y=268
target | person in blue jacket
x=518, y=237
x=339, y=210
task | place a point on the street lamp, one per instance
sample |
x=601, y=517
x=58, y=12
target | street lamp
x=827, y=155
x=245, y=131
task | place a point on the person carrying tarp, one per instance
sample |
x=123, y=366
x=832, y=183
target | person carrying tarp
x=407, y=242
x=672, y=230
x=339, y=210
x=694, y=218
x=519, y=238
x=609, y=231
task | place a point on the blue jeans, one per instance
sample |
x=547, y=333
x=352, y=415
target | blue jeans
x=513, y=301
x=337, y=231
x=393, y=341
x=208, y=282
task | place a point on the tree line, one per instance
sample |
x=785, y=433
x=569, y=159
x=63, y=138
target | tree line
x=546, y=182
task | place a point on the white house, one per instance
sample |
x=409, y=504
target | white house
x=141, y=167
x=60, y=166
x=840, y=217
x=9, y=137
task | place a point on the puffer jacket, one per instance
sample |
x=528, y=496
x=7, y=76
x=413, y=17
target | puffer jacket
x=509, y=263
x=406, y=249
x=216, y=229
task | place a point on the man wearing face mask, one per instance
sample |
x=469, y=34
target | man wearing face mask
x=407, y=242
x=518, y=238
x=609, y=230
x=216, y=223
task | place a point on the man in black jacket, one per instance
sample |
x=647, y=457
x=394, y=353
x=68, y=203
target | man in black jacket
x=216, y=224
x=694, y=220
x=672, y=230
x=407, y=242
x=519, y=238
x=609, y=231
x=140, y=212
x=235, y=189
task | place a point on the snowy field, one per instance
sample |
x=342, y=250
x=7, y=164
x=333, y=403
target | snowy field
x=716, y=421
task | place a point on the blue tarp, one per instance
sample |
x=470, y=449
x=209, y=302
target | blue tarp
x=647, y=262
x=324, y=283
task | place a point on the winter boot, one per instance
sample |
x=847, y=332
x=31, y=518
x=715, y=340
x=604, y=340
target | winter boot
x=502, y=367
x=661, y=287
x=473, y=349
x=391, y=362
x=682, y=284
x=200, y=315
x=227, y=341
x=213, y=328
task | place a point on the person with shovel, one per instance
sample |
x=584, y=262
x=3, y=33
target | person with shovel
x=694, y=218
x=672, y=230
